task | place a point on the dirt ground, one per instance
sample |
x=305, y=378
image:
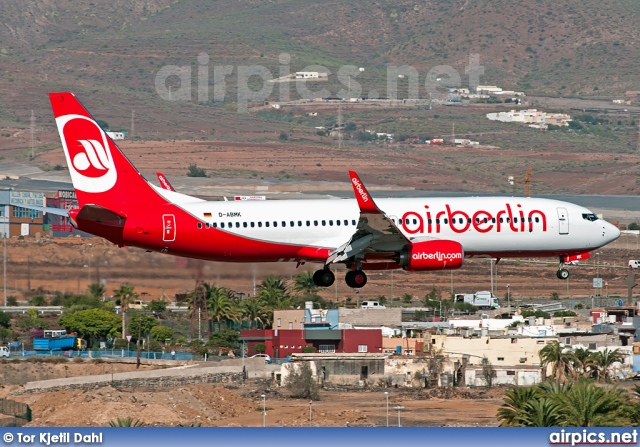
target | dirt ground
x=240, y=405
x=70, y=264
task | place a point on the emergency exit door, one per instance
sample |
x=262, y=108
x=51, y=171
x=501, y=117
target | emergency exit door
x=563, y=221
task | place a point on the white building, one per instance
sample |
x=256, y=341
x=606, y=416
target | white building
x=116, y=135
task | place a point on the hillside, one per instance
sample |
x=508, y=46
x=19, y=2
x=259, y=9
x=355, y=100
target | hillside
x=110, y=56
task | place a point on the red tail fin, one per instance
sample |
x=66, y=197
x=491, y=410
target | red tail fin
x=100, y=172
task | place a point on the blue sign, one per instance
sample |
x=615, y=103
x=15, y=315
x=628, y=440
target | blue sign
x=620, y=303
x=14, y=344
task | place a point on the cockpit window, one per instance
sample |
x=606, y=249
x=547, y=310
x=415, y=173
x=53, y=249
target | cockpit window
x=590, y=217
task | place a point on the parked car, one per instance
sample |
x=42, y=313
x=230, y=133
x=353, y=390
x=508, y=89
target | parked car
x=266, y=357
x=4, y=351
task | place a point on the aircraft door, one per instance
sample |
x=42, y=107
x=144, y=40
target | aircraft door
x=563, y=221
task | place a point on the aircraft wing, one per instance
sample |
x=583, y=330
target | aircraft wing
x=375, y=233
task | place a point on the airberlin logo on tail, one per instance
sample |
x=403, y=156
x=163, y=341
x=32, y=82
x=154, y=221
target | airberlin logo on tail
x=94, y=156
x=360, y=189
x=88, y=153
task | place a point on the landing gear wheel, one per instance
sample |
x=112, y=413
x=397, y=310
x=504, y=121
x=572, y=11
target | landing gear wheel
x=323, y=278
x=356, y=279
x=562, y=274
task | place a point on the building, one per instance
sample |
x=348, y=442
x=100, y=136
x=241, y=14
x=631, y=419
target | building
x=19, y=221
x=280, y=343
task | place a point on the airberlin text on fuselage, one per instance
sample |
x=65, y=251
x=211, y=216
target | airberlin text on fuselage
x=513, y=219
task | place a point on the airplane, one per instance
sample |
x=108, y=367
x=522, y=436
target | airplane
x=415, y=234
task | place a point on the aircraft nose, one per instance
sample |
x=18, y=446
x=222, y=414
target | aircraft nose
x=611, y=232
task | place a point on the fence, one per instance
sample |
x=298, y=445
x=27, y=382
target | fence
x=107, y=354
x=19, y=413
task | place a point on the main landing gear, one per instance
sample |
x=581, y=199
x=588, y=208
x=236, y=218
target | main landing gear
x=323, y=278
x=354, y=278
x=562, y=273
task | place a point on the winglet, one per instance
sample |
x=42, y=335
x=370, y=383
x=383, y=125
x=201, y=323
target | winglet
x=365, y=201
x=164, y=183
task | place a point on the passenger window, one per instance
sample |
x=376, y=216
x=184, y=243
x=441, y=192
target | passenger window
x=299, y=223
x=515, y=220
x=493, y=220
x=393, y=220
x=407, y=221
x=324, y=223
x=415, y=221
x=501, y=220
x=253, y=225
x=260, y=224
x=315, y=223
x=230, y=224
x=330, y=223
x=237, y=224
x=275, y=224
x=308, y=223
x=537, y=219
x=353, y=222
x=221, y=224
x=346, y=222
x=266, y=224
x=485, y=220
x=529, y=220
x=446, y=221
x=437, y=221
x=429, y=221
x=215, y=225
x=200, y=225
x=292, y=223
x=338, y=222
x=244, y=224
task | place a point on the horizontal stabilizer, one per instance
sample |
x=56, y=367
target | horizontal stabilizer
x=48, y=209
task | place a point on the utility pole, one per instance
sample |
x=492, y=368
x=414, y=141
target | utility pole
x=453, y=133
x=132, y=123
x=32, y=129
x=340, y=124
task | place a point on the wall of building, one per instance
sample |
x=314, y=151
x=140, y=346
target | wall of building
x=354, y=339
x=499, y=351
x=370, y=317
x=287, y=342
x=288, y=318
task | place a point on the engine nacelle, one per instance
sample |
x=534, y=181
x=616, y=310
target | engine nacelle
x=431, y=255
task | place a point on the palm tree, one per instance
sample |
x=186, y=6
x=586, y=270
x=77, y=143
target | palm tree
x=97, y=290
x=126, y=295
x=541, y=412
x=274, y=291
x=552, y=354
x=220, y=303
x=126, y=422
x=588, y=405
x=582, y=360
x=604, y=360
x=304, y=285
x=512, y=411
x=254, y=310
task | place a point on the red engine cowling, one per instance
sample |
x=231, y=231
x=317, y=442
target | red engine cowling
x=431, y=255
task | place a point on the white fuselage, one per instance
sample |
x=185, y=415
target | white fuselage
x=483, y=225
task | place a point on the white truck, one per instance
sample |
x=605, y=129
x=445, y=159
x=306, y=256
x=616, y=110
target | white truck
x=482, y=300
x=372, y=305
